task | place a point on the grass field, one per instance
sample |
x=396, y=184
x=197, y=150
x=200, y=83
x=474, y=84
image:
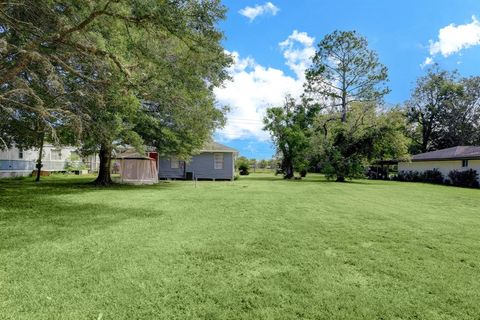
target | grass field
x=258, y=248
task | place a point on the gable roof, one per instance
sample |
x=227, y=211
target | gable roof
x=213, y=146
x=455, y=153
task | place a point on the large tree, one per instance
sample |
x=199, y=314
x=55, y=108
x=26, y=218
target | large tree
x=155, y=51
x=427, y=104
x=344, y=73
x=344, y=70
x=460, y=116
x=345, y=148
x=444, y=111
x=289, y=127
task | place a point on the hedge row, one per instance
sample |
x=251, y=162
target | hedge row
x=464, y=178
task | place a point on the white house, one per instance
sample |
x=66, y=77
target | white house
x=445, y=160
x=15, y=162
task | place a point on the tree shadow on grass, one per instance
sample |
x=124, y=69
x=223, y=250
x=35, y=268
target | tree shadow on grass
x=312, y=179
x=67, y=185
x=36, y=212
x=39, y=218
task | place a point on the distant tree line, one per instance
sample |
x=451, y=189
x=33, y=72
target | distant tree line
x=340, y=123
x=105, y=73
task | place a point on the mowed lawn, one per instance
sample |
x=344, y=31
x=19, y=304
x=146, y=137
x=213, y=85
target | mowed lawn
x=258, y=248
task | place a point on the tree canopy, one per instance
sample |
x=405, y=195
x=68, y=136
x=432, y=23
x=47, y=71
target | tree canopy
x=114, y=71
x=344, y=70
x=289, y=128
x=444, y=111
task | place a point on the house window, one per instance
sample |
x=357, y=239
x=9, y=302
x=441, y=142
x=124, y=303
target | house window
x=174, y=163
x=56, y=154
x=20, y=153
x=218, y=161
x=464, y=163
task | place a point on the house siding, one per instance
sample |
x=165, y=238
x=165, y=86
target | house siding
x=443, y=166
x=12, y=166
x=166, y=172
x=201, y=165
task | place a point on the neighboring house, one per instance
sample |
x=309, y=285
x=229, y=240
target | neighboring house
x=445, y=160
x=15, y=162
x=214, y=162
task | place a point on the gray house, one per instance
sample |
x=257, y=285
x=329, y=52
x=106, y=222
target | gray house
x=214, y=162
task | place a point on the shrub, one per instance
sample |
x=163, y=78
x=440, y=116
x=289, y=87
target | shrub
x=432, y=176
x=408, y=176
x=243, y=169
x=428, y=176
x=467, y=178
x=303, y=173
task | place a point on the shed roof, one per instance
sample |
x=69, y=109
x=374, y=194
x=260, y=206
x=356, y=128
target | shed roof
x=455, y=153
x=213, y=146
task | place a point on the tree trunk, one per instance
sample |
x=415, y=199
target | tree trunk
x=344, y=97
x=340, y=179
x=105, y=155
x=40, y=155
x=287, y=169
x=344, y=108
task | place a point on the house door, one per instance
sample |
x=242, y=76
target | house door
x=154, y=155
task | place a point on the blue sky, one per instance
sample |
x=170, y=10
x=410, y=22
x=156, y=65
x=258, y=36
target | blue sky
x=271, y=40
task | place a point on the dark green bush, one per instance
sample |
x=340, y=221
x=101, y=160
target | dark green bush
x=466, y=178
x=432, y=176
x=428, y=176
x=303, y=173
x=243, y=169
x=408, y=176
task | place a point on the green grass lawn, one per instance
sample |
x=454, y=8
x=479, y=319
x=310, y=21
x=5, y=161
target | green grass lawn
x=258, y=248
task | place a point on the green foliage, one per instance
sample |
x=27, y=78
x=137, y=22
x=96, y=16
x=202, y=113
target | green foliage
x=345, y=148
x=243, y=165
x=443, y=111
x=348, y=81
x=345, y=70
x=465, y=178
x=74, y=163
x=120, y=72
x=289, y=127
x=428, y=176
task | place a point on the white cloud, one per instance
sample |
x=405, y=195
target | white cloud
x=298, y=50
x=258, y=10
x=254, y=88
x=428, y=61
x=454, y=38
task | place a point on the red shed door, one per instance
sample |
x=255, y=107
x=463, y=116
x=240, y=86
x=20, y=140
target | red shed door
x=153, y=155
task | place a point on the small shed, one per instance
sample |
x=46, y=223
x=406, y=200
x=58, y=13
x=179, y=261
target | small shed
x=137, y=169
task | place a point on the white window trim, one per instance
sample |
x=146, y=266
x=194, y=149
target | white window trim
x=466, y=163
x=217, y=165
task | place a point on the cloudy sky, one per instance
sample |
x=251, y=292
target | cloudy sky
x=272, y=42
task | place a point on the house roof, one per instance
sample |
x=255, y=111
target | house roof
x=217, y=147
x=455, y=153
